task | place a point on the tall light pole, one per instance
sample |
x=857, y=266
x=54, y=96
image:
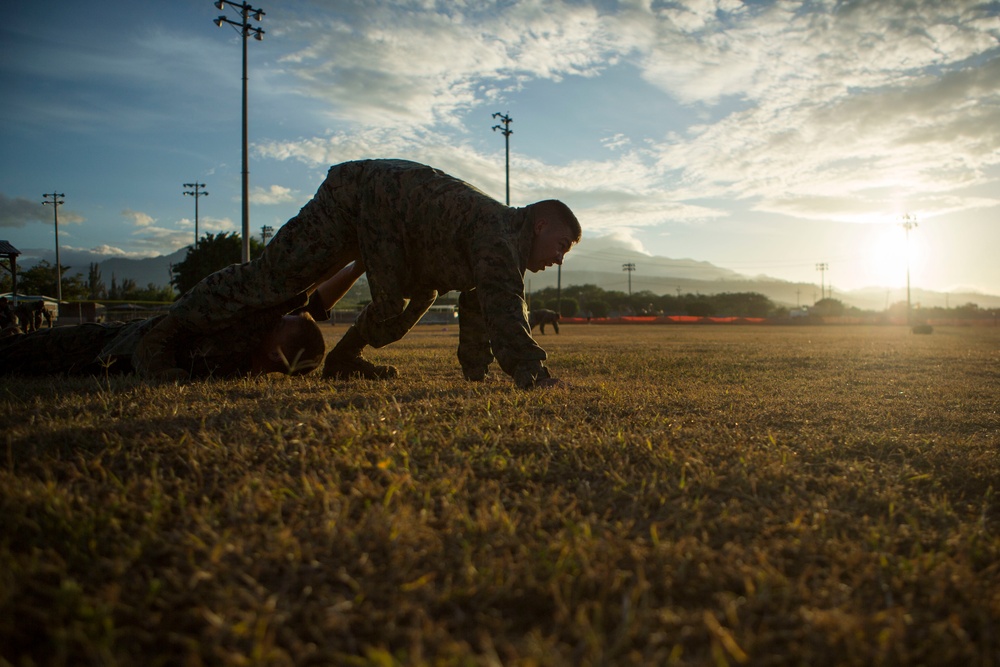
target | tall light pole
x=245, y=29
x=630, y=267
x=266, y=232
x=195, y=192
x=909, y=222
x=55, y=200
x=822, y=268
x=506, y=132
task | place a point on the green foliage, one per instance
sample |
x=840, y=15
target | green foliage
x=95, y=284
x=214, y=252
x=611, y=303
x=829, y=307
x=568, y=306
x=129, y=291
x=40, y=280
x=597, y=308
x=702, y=307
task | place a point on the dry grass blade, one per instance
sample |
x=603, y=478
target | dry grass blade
x=696, y=495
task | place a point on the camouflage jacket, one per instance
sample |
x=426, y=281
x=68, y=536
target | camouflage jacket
x=422, y=232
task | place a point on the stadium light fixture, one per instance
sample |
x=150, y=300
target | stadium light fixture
x=245, y=29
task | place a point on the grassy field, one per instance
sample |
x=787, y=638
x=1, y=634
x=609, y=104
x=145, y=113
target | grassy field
x=700, y=495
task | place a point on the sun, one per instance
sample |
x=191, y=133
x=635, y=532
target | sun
x=888, y=252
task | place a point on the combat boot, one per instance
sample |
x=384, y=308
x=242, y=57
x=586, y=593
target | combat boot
x=356, y=367
x=345, y=361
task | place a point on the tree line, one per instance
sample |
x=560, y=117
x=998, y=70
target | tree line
x=40, y=279
x=216, y=251
x=593, y=301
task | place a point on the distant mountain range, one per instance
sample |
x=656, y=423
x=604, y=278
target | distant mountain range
x=660, y=275
x=663, y=275
x=155, y=270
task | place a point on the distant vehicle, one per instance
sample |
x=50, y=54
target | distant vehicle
x=440, y=315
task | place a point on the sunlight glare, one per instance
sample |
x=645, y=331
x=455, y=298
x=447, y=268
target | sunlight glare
x=886, y=258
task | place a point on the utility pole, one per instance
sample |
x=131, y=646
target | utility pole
x=55, y=200
x=195, y=192
x=822, y=267
x=798, y=301
x=559, y=291
x=909, y=222
x=266, y=232
x=630, y=267
x=506, y=132
x=245, y=29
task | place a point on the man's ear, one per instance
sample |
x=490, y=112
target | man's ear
x=541, y=223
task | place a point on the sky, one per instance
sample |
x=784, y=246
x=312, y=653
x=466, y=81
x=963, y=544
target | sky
x=764, y=137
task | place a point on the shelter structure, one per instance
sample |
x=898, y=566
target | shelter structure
x=10, y=253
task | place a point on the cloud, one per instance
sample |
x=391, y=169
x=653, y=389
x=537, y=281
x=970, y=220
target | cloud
x=399, y=64
x=19, y=211
x=625, y=193
x=275, y=194
x=818, y=111
x=618, y=140
x=216, y=225
x=154, y=240
x=107, y=250
x=78, y=259
x=138, y=218
x=834, y=114
x=617, y=240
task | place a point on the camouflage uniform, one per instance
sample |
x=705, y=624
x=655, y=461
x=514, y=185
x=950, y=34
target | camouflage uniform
x=99, y=348
x=419, y=232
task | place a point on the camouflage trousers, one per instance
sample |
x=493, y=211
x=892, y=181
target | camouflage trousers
x=308, y=249
x=70, y=350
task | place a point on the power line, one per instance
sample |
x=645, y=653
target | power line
x=56, y=201
x=506, y=132
x=195, y=192
x=822, y=267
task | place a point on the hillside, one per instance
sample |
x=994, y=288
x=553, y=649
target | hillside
x=154, y=270
x=660, y=275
